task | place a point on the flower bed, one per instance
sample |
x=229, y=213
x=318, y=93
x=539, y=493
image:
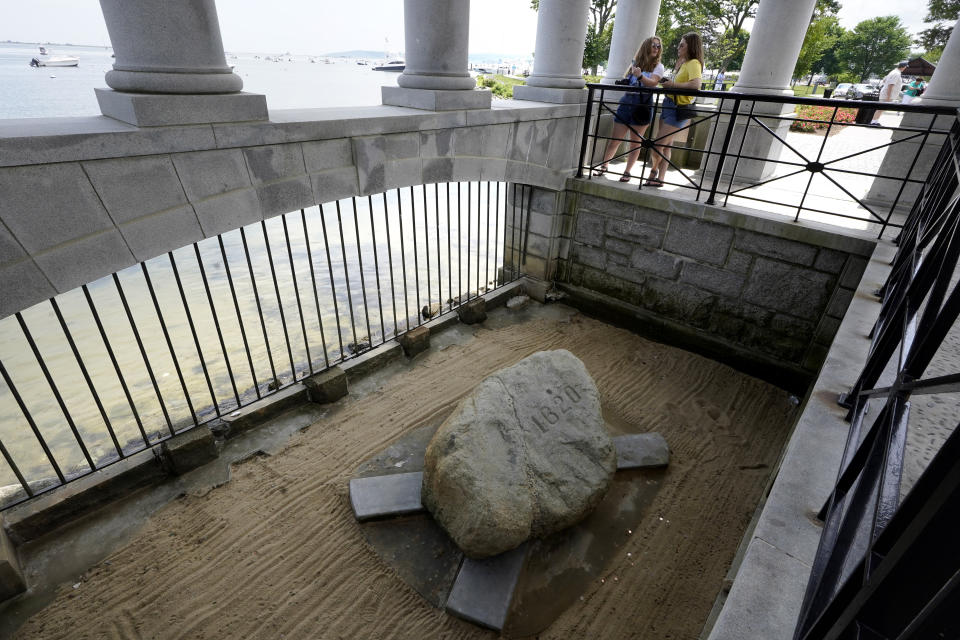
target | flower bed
x=812, y=119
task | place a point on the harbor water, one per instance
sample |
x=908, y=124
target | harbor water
x=286, y=310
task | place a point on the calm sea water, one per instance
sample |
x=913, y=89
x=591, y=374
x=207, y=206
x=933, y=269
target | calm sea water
x=372, y=280
x=289, y=82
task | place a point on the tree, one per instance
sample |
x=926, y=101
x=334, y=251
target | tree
x=873, y=47
x=719, y=23
x=821, y=35
x=935, y=38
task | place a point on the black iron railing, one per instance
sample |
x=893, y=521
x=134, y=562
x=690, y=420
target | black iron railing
x=121, y=364
x=889, y=568
x=728, y=127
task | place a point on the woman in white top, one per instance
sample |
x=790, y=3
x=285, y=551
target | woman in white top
x=635, y=111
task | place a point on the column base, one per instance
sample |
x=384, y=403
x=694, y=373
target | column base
x=437, y=99
x=550, y=94
x=160, y=110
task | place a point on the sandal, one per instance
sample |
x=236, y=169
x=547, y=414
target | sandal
x=625, y=177
x=653, y=180
x=599, y=171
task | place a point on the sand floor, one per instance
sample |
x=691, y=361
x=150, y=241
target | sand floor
x=276, y=553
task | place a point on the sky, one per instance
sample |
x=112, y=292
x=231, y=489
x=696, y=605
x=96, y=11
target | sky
x=506, y=27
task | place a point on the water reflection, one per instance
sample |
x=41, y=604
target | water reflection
x=209, y=327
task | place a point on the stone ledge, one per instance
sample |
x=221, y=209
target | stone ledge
x=32, y=519
x=253, y=415
x=657, y=328
x=781, y=548
x=858, y=243
x=11, y=576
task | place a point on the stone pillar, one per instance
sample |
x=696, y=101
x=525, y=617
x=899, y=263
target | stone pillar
x=771, y=55
x=170, y=66
x=557, y=62
x=436, y=76
x=636, y=20
x=943, y=91
x=774, y=46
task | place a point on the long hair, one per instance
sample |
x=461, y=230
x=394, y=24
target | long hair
x=647, y=58
x=694, y=48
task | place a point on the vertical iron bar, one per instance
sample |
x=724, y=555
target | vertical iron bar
x=376, y=268
x=16, y=470
x=116, y=365
x=193, y=332
x=459, y=251
x=416, y=251
x=393, y=292
x=256, y=296
x=166, y=335
x=596, y=129
x=479, y=211
x=449, y=258
x=526, y=227
x=363, y=282
x=333, y=287
x=436, y=217
x=709, y=148
x=426, y=249
x=276, y=289
x=31, y=422
x=469, y=224
x=296, y=291
x=313, y=282
x=346, y=278
x=586, y=132
x=216, y=324
x=486, y=250
x=143, y=351
x=56, y=391
x=496, y=240
x=723, y=153
x=403, y=266
x=236, y=306
x=86, y=375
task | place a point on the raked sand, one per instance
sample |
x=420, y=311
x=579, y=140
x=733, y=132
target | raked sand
x=276, y=553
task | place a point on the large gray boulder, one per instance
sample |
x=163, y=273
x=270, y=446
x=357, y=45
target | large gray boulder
x=524, y=455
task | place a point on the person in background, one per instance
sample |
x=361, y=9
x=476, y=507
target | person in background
x=677, y=110
x=890, y=90
x=912, y=90
x=719, y=81
x=645, y=70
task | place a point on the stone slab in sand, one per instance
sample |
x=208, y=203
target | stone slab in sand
x=524, y=455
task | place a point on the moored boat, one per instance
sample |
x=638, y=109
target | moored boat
x=47, y=60
x=393, y=65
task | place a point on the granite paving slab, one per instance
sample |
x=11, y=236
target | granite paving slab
x=484, y=588
x=641, y=451
x=382, y=496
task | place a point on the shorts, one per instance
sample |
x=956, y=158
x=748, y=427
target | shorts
x=668, y=114
x=632, y=110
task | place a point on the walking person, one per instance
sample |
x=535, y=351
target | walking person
x=635, y=110
x=677, y=110
x=912, y=91
x=890, y=90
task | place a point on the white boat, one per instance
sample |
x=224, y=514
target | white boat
x=393, y=65
x=46, y=60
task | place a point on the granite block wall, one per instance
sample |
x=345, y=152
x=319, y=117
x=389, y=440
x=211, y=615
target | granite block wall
x=767, y=289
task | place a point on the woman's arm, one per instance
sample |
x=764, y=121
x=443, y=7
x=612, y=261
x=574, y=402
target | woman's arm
x=692, y=83
x=652, y=81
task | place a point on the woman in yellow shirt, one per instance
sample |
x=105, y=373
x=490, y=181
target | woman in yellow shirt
x=687, y=75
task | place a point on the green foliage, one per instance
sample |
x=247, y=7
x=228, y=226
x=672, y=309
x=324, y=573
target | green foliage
x=935, y=38
x=828, y=62
x=501, y=86
x=719, y=23
x=820, y=37
x=873, y=47
x=597, y=48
